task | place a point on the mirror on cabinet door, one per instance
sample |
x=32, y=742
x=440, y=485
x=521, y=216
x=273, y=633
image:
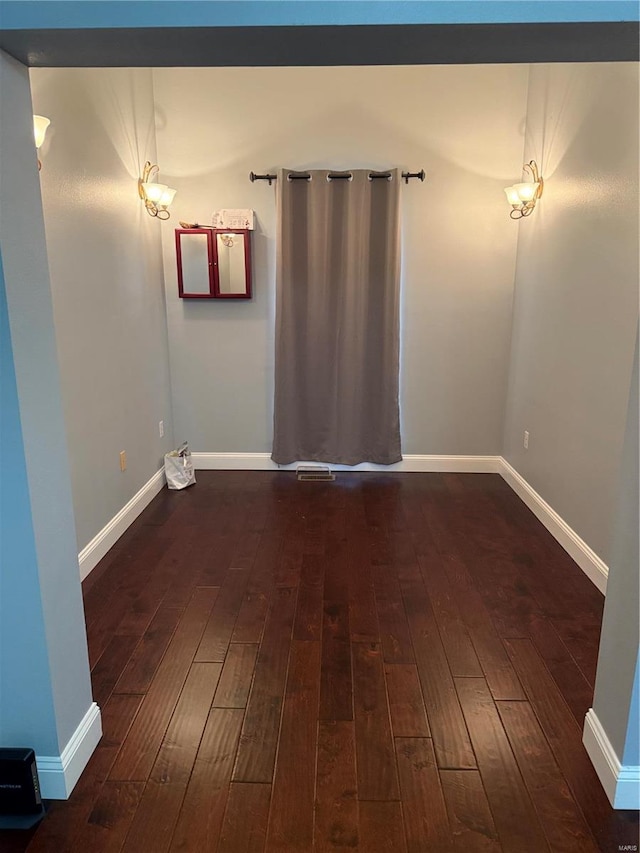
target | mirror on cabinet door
x=232, y=265
x=195, y=263
x=213, y=263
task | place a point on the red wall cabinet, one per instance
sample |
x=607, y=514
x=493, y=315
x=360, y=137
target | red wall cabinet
x=213, y=263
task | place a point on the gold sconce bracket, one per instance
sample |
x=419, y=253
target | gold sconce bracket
x=148, y=171
x=156, y=197
x=532, y=167
x=523, y=196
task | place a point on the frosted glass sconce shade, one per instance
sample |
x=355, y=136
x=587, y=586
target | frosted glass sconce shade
x=523, y=197
x=526, y=192
x=167, y=197
x=512, y=195
x=40, y=125
x=156, y=197
x=153, y=191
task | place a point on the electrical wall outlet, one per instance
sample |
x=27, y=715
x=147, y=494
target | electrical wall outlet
x=123, y=460
x=525, y=441
x=161, y=429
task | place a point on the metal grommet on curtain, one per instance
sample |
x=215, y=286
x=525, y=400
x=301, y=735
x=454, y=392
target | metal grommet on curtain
x=373, y=176
x=339, y=176
x=299, y=176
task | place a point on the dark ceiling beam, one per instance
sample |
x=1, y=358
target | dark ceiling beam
x=420, y=44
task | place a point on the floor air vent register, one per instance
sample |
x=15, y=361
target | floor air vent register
x=315, y=472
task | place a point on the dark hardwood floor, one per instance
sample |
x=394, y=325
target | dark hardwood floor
x=396, y=662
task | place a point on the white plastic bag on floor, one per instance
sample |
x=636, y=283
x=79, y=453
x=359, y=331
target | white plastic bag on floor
x=178, y=468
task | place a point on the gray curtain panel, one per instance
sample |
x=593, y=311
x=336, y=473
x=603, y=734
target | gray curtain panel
x=337, y=319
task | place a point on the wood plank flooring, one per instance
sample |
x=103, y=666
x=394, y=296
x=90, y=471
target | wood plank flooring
x=389, y=663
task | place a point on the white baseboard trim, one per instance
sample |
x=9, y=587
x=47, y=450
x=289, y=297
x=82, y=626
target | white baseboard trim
x=594, y=568
x=58, y=774
x=92, y=553
x=621, y=783
x=409, y=463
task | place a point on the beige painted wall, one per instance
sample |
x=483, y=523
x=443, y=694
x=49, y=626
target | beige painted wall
x=576, y=297
x=105, y=264
x=464, y=125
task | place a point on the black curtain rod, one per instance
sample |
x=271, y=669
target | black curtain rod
x=337, y=176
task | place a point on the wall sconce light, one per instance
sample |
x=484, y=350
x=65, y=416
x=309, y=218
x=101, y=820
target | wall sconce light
x=523, y=197
x=40, y=125
x=156, y=197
